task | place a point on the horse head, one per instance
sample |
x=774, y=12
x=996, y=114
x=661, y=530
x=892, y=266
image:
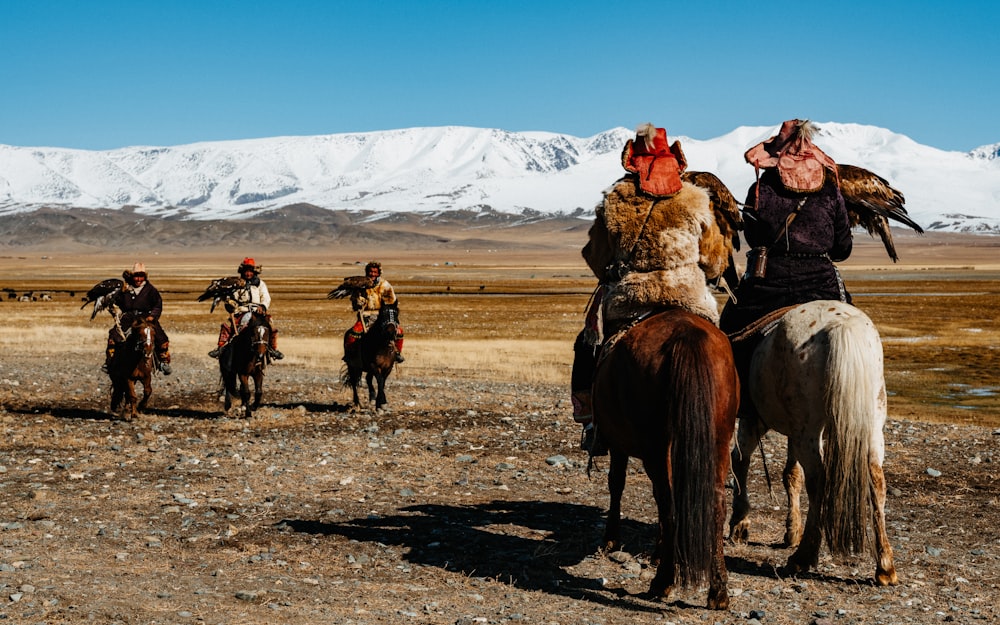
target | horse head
x=260, y=335
x=388, y=320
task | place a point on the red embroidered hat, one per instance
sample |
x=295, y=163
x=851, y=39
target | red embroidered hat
x=799, y=162
x=657, y=165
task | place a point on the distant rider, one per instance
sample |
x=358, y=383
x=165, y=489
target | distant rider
x=138, y=300
x=367, y=304
x=253, y=295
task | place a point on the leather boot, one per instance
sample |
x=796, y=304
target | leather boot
x=272, y=348
x=109, y=354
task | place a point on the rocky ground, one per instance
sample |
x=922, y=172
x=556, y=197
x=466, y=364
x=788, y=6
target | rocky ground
x=467, y=502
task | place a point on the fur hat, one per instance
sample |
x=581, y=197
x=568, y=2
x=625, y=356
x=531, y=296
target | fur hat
x=799, y=162
x=139, y=268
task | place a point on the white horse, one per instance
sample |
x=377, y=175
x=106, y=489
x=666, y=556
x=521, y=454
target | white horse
x=817, y=378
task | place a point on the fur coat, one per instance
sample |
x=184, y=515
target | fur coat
x=653, y=253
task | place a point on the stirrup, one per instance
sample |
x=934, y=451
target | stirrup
x=589, y=442
x=275, y=354
x=399, y=357
x=166, y=368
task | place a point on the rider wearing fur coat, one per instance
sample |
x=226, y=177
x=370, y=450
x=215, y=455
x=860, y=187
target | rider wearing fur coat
x=650, y=248
x=367, y=303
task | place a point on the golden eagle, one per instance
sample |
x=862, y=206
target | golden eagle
x=871, y=202
x=221, y=289
x=350, y=286
x=102, y=295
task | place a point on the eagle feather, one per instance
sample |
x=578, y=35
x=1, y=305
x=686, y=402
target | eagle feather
x=221, y=289
x=350, y=286
x=871, y=202
x=102, y=294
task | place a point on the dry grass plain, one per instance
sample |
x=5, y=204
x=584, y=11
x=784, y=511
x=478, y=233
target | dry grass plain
x=452, y=507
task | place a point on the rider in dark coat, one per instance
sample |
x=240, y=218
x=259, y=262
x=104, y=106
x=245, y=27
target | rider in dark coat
x=139, y=299
x=796, y=225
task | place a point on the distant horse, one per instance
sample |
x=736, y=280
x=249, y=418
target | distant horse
x=374, y=355
x=133, y=361
x=244, y=358
x=667, y=393
x=817, y=378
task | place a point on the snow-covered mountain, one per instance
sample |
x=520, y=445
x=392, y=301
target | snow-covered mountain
x=449, y=168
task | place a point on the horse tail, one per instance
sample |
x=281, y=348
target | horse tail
x=691, y=408
x=855, y=390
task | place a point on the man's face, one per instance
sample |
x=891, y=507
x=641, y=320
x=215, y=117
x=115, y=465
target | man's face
x=373, y=272
x=138, y=279
x=247, y=274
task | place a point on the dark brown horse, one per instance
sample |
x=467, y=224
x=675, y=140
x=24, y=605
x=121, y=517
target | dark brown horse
x=374, y=355
x=134, y=361
x=667, y=394
x=245, y=358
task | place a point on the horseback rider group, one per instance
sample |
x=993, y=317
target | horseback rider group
x=367, y=303
x=139, y=299
x=247, y=294
x=653, y=245
x=251, y=297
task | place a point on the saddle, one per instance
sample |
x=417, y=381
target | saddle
x=762, y=327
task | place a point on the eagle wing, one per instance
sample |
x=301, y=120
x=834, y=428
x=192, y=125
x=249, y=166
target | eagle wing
x=727, y=215
x=350, y=286
x=871, y=202
x=221, y=289
x=102, y=294
x=724, y=205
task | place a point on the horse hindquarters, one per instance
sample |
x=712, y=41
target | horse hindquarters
x=702, y=392
x=668, y=394
x=854, y=481
x=818, y=377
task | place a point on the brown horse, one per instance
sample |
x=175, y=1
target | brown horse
x=245, y=358
x=374, y=355
x=133, y=362
x=667, y=393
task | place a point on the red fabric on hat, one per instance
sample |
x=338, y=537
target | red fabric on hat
x=658, y=168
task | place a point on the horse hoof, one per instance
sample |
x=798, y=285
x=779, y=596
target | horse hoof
x=886, y=578
x=718, y=600
x=740, y=534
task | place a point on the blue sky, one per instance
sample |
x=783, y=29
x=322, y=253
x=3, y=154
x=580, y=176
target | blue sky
x=108, y=74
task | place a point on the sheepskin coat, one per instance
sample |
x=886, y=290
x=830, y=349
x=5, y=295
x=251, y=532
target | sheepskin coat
x=653, y=253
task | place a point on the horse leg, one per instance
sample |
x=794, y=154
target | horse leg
x=806, y=555
x=747, y=434
x=147, y=391
x=885, y=570
x=245, y=395
x=128, y=410
x=663, y=581
x=616, y=486
x=380, y=399
x=258, y=388
x=792, y=479
x=718, y=581
x=369, y=378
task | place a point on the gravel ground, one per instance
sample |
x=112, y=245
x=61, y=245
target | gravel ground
x=466, y=502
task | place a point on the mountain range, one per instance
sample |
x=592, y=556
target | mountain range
x=439, y=170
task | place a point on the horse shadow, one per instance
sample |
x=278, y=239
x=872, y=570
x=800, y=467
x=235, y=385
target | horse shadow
x=552, y=537
x=311, y=407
